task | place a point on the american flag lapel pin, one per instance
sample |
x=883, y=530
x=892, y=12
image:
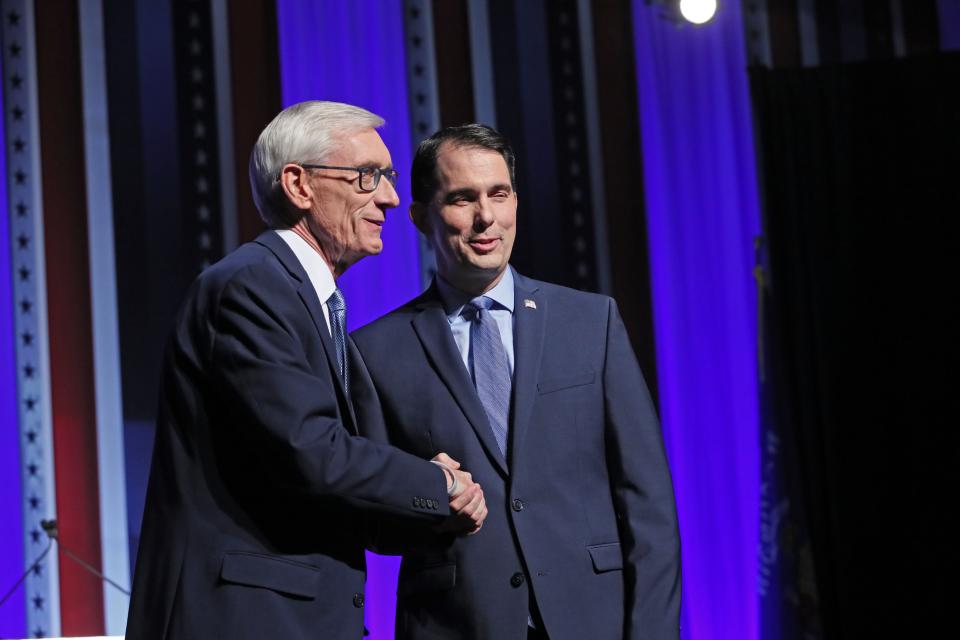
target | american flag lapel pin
x=529, y=304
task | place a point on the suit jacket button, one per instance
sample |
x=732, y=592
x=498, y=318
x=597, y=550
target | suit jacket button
x=516, y=579
x=517, y=504
x=358, y=600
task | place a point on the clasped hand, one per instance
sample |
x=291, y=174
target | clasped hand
x=467, y=505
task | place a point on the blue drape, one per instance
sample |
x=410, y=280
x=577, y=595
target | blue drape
x=354, y=52
x=702, y=213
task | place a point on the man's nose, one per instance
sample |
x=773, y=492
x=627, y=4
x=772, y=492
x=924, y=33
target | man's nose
x=483, y=215
x=386, y=194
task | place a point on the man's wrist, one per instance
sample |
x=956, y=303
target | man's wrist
x=452, y=483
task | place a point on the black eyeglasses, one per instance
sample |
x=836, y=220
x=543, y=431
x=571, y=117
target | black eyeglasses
x=369, y=176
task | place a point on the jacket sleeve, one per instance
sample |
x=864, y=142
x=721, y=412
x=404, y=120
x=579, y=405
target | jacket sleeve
x=288, y=412
x=643, y=494
x=386, y=534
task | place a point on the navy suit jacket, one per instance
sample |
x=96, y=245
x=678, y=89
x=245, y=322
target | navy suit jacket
x=582, y=513
x=253, y=526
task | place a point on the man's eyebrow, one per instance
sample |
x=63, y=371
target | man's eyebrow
x=504, y=186
x=460, y=193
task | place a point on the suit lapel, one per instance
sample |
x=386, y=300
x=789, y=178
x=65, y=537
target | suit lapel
x=433, y=330
x=308, y=295
x=352, y=354
x=530, y=314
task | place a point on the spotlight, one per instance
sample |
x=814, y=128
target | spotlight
x=698, y=11
x=685, y=11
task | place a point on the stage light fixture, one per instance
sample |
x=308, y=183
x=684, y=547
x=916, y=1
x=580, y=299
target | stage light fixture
x=698, y=11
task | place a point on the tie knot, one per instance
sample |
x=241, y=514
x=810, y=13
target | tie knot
x=335, y=301
x=481, y=302
x=473, y=308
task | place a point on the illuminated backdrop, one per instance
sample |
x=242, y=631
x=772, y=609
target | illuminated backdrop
x=702, y=216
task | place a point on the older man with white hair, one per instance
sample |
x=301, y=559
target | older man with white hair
x=260, y=486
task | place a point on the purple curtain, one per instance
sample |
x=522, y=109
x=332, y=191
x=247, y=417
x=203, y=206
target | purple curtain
x=354, y=52
x=702, y=213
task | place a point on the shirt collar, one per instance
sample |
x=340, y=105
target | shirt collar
x=453, y=299
x=312, y=262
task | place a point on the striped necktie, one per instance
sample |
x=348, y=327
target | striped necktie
x=338, y=328
x=491, y=370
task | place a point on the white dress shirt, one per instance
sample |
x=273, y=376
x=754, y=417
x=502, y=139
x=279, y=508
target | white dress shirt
x=317, y=270
x=502, y=311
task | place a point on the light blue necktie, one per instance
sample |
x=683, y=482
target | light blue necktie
x=338, y=328
x=491, y=371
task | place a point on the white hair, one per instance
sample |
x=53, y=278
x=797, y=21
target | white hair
x=306, y=132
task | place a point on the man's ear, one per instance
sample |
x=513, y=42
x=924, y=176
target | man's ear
x=293, y=181
x=419, y=215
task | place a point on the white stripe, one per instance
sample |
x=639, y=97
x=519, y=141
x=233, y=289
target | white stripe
x=103, y=301
x=49, y=497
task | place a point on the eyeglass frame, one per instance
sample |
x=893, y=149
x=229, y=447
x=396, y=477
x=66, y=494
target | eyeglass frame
x=377, y=173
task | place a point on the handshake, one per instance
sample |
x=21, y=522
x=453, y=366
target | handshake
x=468, y=509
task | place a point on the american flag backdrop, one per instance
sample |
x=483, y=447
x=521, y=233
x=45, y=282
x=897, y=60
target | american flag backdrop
x=65, y=382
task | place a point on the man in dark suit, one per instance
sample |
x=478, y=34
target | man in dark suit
x=254, y=524
x=535, y=389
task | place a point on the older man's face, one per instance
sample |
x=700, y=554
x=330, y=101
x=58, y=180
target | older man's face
x=345, y=220
x=471, y=221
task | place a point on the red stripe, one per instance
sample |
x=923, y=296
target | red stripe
x=68, y=307
x=255, y=83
